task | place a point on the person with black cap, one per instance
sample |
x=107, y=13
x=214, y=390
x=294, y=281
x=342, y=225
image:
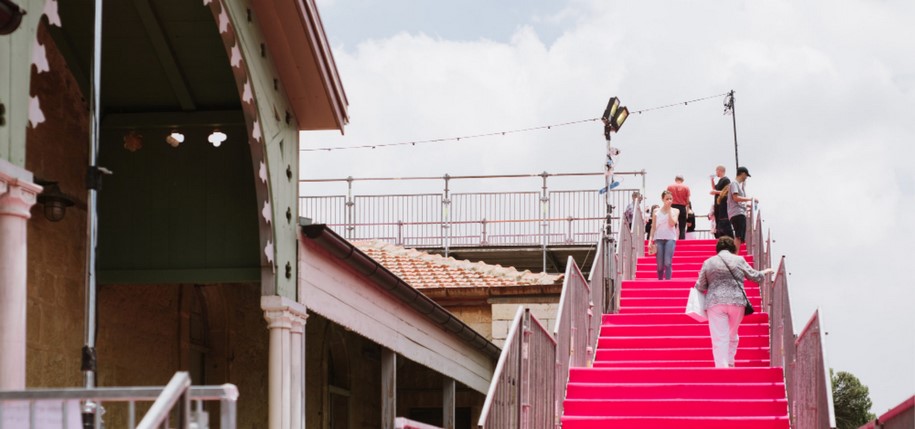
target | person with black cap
x=737, y=205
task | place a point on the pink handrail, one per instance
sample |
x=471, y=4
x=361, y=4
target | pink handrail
x=807, y=382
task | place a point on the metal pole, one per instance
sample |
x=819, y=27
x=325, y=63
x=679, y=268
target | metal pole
x=734, y=124
x=446, y=216
x=544, y=215
x=88, y=366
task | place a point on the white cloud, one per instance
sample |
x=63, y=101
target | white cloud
x=824, y=95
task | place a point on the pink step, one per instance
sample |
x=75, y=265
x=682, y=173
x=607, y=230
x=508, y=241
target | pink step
x=676, y=330
x=685, y=283
x=676, y=407
x=683, y=259
x=679, y=341
x=638, y=319
x=681, y=266
x=684, y=422
x=691, y=363
x=679, y=302
x=720, y=390
x=662, y=310
x=675, y=375
x=659, y=292
x=704, y=352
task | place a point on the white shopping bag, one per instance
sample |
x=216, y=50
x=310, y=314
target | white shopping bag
x=695, y=305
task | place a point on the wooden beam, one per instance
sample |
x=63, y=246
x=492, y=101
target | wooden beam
x=164, y=52
x=388, y=388
x=215, y=118
x=448, y=395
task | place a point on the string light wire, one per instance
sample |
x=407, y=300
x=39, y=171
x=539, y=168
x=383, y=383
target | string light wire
x=501, y=133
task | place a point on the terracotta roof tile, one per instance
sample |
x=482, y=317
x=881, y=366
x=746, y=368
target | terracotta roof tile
x=425, y=270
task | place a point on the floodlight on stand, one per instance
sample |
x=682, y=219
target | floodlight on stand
x=174, y=138
x=610, y=111
x=620, y=118
x=217, y=137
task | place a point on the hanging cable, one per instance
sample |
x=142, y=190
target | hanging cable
x=498, y=133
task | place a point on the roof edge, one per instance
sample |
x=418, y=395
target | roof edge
x=345, y=251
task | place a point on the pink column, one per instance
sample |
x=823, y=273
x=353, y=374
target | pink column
x=17, y=195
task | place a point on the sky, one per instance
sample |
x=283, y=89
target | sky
x=824, y=90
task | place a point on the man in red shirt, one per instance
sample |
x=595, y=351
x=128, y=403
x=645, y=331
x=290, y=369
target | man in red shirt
x=680, y=193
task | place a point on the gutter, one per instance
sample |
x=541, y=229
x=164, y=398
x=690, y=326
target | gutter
x=342, y=249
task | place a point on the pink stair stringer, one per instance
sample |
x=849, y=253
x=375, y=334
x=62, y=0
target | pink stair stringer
x=653, y=367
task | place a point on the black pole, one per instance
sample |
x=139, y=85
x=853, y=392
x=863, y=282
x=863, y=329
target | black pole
x=734, y=123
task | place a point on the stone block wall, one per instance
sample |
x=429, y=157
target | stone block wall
x=503, y=313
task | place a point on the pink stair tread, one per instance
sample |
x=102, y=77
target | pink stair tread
x=653, y=365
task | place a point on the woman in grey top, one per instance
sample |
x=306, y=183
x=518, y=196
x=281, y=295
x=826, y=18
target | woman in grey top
x=724, y=297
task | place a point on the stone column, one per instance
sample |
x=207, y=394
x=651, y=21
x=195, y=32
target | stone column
x=17, y=196
x=284, y=316
x=297, y=399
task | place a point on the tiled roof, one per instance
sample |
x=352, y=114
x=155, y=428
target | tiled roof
x=426, y=271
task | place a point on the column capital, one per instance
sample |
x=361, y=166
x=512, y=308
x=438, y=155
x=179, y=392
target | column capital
x=17, y=192
x=284, y=313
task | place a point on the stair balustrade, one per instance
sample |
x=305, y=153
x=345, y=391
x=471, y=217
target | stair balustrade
x=528, y=387
x=63, y=408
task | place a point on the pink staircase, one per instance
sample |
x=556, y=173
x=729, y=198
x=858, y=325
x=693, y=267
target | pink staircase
x=653, y=366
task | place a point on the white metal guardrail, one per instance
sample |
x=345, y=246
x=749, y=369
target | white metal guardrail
x=62, y=408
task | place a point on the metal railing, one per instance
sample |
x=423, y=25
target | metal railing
x=62, y=408
x=529, y=384
x=522, y=391
x=811, y=403
x=447, y=219
x=802, y=357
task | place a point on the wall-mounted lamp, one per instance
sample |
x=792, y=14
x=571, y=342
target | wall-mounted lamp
x=10, y=17
x=133, y=141
x=217, y=137
x=174, y=138
x=54, y=201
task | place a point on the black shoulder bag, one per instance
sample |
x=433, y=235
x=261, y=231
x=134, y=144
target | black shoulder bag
x=748, y=309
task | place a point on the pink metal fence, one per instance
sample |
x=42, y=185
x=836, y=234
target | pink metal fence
x=528, y=386
x=812, y=403
x=522, y=389
x=807, y=381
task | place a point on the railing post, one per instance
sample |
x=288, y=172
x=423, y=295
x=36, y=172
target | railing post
x=544, y=215
x=446, y=216
x=350, y=208
x=524, y=396
x=569, y=239
x=399, y=233
x=483, y=240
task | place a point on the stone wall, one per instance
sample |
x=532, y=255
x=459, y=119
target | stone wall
x=478, y=317
x=504, y=309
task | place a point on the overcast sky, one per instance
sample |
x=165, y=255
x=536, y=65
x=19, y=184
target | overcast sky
x=825, y=98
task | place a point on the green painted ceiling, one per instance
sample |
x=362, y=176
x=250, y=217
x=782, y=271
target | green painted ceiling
x=157, y=55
